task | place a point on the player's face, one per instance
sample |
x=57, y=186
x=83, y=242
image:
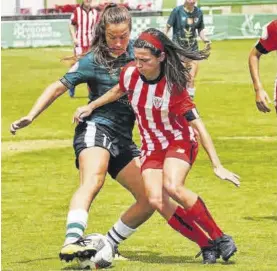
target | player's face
x=117, y=37
x=148, y=65
x=190, y=2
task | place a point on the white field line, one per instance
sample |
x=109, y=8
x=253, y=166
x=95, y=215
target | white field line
x=14, y=147
x=261, y=138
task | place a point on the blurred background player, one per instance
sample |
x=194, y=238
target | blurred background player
x=267, y=43
x=81, y=27
x=187, y=22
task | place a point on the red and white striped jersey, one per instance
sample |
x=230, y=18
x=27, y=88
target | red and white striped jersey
x=269, y=37
x=159, y=114
x=85, y=23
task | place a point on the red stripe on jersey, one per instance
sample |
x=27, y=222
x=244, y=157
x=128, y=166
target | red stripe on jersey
x=142, y=108
x=157, y=113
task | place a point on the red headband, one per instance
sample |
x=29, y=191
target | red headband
x=153, y=40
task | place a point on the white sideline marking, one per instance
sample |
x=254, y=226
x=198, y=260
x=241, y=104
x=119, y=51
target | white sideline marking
x=14, y=147
x=261, y=138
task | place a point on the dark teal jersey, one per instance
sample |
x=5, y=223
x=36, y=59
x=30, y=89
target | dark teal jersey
x=185, y=26
x=118, y=116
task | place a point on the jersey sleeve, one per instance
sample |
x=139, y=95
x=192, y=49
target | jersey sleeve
x=125, y=76
x=121, y=79
x=172, y=17
x=81, y=72
x=181, y=104
x=268, y=40
x=73, y=17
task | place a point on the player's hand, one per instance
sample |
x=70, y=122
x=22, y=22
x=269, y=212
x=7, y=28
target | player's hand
x=262, y=101
x=82, y=112
x=208, y=44
x=227, y=175
x=21, y=123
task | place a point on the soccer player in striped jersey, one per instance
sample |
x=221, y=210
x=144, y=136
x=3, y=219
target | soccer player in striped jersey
x=81, y=27
x=267, y=43
x=155, y=85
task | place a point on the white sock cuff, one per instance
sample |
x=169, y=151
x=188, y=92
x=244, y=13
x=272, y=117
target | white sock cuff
x=123, y=229
x=78, y=216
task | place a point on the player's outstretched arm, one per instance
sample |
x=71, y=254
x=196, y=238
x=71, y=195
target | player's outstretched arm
x=208, y=145
x=110, y=96
x=262, y=98
x=50, y=94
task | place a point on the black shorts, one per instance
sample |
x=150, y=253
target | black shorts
x=91, y=134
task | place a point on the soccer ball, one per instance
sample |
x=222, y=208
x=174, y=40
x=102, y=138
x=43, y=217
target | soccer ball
x=104, y=255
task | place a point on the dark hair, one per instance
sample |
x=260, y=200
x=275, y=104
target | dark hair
x=111, y=14
x=176, y=73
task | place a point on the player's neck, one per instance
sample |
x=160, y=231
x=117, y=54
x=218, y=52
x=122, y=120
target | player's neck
x=86, y=8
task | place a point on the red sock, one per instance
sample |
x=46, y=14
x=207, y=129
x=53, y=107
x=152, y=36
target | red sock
x=188, y=229
x=200, y=214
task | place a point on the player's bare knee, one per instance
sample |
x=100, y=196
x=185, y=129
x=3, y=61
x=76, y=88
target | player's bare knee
x=93, y=183
x=174, y=190
x=156, y=202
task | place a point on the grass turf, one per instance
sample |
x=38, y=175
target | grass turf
x=37, y=185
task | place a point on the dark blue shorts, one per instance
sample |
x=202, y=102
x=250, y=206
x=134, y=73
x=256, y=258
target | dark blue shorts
x=90, y=134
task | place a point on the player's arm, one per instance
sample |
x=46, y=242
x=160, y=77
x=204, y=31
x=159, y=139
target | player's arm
x=110, y=96
x=167, y=28
x=171, y=21
x=72, y=31
x=50, y=94
x=196, y=123
x=201, y=31
x=203, y=37
x=262, y=98
x=73, y=28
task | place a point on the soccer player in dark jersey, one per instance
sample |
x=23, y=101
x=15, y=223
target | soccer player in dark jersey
x=267, y=43
x=187, y=23
x=103, y=143
x=156, y=87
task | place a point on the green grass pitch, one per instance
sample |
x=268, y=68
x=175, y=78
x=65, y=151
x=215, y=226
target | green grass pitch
x=39, y=176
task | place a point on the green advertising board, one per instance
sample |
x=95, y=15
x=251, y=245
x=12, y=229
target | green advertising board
x=35, y=33
x=42, y=33
x=234, y=2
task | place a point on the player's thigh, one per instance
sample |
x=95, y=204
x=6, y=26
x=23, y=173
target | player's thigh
x=92, y=149
x=179, y=158
x=153, y=180
x=130, y=177
x=175, y=172
x=93, y=164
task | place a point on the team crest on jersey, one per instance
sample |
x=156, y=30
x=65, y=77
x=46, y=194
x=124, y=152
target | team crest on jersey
x=196, y=20
x=157, y=102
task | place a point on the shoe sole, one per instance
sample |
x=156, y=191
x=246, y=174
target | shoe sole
x=226, y=258
x=79, y=254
